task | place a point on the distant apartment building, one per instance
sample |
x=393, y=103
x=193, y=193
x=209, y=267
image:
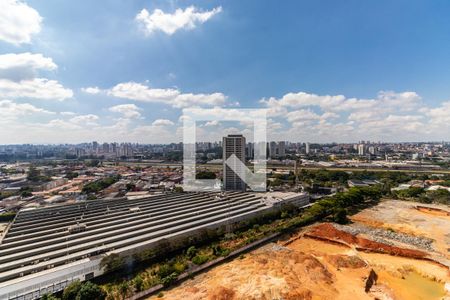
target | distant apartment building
x=277, y=149
x=233, y=144
x=361, y=149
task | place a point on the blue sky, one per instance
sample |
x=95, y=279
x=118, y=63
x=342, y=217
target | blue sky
x=326, y=70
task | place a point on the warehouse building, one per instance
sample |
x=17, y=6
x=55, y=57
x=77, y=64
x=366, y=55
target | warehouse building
x=46, y=249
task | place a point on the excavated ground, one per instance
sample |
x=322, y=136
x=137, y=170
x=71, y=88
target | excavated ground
x=395, y=250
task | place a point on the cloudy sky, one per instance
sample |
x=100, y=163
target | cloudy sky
x=110, y=70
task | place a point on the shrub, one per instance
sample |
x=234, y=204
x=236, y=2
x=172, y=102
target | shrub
x=138, y=283
x=168, y=280
x=179, y=267
x=191, y=252
x=165, y=270
x=200, y=259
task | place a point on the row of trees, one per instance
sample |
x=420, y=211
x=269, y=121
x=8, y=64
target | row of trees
x=34, y=175
x=79, y=291
x=336, y=208
x=97, y=186
x=6, y=217
x=421, y=195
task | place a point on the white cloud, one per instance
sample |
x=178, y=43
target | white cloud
x=58, y=124
x=440, y=115
x=86, y=120
x=141, y=92
x=211, y=123
x=18, y=22
x=91, y=90
x=129, y=111
x=386, y=101
x=24, y=65
x=326, y=102
x=39, y=88
x=385, y=117
x=189, y=100
x=67, y=113
x=168, y=23
x=302, y=115
x=10, y=110
x=18, y=77
x=329, y=115
x=162, y=122
x=406, y=101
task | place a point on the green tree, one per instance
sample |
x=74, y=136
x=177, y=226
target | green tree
x=340, y=216
x=90, y=291
x=205, y=175
x=33, y=174
x=130, y=186
x=71, y=291
x=71, y=175
x=49, y=297
x=26, y=191
x=112, y=262
x=178, y=189
x=439, y=196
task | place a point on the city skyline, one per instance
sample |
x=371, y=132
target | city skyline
x=126, y=70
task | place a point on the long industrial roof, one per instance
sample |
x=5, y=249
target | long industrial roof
x=41, y=239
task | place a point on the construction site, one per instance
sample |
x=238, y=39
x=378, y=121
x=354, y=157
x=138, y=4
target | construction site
x=394, y=250
x=44, y=250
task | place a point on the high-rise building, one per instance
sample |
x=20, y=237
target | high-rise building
x=282, y=149
x=361, y=149
x=94, y=146
x=250, y=150
x=233, y=144
x=277, y=149
x=307, y=148
x=105, y=148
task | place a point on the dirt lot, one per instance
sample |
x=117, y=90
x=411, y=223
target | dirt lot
x=392, y=251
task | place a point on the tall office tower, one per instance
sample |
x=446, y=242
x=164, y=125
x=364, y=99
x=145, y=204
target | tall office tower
x=249, y=150
x=272, y=149
x=361, y=149
x=307, y=148
x=282, y=149
x=233, y=144
x=105, y=148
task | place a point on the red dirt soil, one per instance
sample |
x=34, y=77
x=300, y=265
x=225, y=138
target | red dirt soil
x=327, y=231
x=437, y=211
